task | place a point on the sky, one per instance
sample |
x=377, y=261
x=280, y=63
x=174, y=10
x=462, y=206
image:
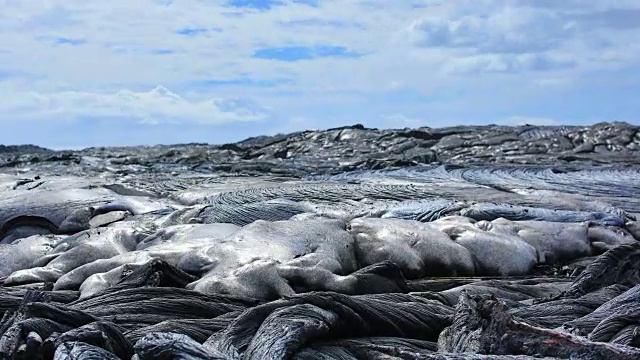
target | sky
x=79, y=73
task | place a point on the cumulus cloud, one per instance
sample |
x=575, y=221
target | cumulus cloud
x=507, y=30
x=528, y=36
x=156, y=106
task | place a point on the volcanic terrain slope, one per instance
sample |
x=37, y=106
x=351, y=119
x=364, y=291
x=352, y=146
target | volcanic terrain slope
x=486, y=242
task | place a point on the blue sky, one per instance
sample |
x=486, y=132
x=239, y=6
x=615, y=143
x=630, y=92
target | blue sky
x=88, y=73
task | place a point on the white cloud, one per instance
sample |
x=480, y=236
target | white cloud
x=496, y=36
x=120, y=42
x=156, y=106
x=481, y=50
x=507, y=30
x=511, y=63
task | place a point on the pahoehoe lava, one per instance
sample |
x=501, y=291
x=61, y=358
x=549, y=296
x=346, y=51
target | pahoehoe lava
x=487, y=242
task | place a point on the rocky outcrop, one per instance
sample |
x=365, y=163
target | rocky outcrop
x=357, y=148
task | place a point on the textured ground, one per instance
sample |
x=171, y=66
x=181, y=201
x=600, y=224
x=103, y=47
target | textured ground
x=357, y=148
x=459, y=243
